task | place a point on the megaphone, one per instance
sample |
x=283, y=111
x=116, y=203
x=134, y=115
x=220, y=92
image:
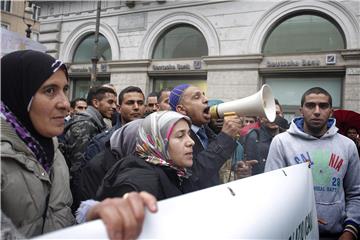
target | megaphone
x=260, y=104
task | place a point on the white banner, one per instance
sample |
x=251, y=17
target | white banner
x=12, y=41
x=274, y=205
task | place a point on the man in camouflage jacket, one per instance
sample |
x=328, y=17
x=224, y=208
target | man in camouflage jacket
x=83, y=127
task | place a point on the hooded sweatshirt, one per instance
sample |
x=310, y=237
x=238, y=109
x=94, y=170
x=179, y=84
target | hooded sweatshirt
x=335, y=170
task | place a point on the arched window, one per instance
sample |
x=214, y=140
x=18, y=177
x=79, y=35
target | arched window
x=180, y=41
x=304, y=32
x=84, y=51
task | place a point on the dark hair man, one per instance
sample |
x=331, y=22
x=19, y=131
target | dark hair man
x=210, y=151
x=111, y=122
x=256, y=146
x=249, y=120
x=102, y=99
x=131, y=107
x=279, y=109
x=78, y=105
x=131, y=104
x=151, y=103
x=353, y=134
x=163, y=99
x=84, y=126
x=335, y=164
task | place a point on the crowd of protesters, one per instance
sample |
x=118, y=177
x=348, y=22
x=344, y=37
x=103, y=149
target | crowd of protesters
x=112, y=155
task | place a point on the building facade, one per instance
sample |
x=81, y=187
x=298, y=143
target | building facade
x=228, y=48
x=17, y=15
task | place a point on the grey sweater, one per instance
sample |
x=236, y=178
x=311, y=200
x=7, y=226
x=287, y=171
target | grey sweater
x=335, y=168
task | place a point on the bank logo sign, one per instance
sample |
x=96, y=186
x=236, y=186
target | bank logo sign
x=330, y=59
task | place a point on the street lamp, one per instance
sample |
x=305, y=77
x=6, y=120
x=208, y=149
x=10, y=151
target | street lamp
x=95, y=57
x=28, y=22
x=94, y=61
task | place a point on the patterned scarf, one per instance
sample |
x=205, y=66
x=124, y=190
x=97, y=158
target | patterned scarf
x=24, y=135
x=153, y=139
x=22, y=74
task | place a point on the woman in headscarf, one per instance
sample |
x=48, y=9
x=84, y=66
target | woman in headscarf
x=123, y=140
x=35, y=192
x=122, y=143
x=159, y=165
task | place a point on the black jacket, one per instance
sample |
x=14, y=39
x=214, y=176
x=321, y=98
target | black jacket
x=256, y=146
x=207, y=162
x=134, y=174
x=94, y=171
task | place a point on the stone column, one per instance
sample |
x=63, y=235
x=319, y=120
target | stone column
x=232, y=77
x=351, y=99
x=130, y=73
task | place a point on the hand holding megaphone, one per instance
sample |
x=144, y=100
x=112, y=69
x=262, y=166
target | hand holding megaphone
x=232, y=125
x=261, y=104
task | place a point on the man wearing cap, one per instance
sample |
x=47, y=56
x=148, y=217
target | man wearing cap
x=210, y=151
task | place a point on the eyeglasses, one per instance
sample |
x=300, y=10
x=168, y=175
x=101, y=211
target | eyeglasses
x=312, y=105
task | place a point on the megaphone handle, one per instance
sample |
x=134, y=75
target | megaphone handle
x=229, y=115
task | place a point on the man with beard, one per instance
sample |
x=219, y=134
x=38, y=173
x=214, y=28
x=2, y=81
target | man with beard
x=210, y=151
x=334, y=161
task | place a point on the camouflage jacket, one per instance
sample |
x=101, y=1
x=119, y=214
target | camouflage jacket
x=77, y=134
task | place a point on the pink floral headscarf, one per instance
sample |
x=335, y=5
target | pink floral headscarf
x=153, y=139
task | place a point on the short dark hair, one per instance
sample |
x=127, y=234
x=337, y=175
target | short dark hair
x=128, y=90
x=160, y=93
x=316, y=90
x=278, y=103
x=74, y=101
x=349, y=128
x=153, y=94
x=98, y=93
x=110, y=85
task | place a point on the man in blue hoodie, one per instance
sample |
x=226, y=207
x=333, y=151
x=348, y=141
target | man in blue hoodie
x=335, y=164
